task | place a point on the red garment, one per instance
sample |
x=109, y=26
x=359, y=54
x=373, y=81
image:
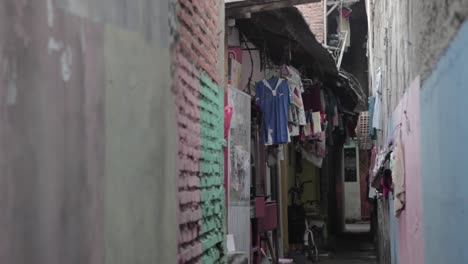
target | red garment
x=346, y=13
x=323, y=118
x=312, y=99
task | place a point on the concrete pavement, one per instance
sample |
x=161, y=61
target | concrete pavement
x=354, y=247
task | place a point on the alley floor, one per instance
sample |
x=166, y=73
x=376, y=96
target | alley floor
x=354, y=247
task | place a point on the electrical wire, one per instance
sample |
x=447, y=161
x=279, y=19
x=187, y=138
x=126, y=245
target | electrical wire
x=355, y=86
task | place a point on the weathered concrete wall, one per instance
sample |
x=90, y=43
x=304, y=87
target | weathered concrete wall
x=90, y=131
x=410, y=223
x=443, y=132
x=406, y=39
x=139, y=129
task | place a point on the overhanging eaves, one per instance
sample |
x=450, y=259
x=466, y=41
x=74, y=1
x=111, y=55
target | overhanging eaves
x=237, y=8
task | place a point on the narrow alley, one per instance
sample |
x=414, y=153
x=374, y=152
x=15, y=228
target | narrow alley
x=233, y=131
x=354, y=247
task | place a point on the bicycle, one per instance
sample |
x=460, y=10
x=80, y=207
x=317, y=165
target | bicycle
x=310, y=249
x=267, y=258
x=310, y=246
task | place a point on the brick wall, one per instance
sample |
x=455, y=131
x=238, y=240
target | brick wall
x=313, y=14
x=200, y=116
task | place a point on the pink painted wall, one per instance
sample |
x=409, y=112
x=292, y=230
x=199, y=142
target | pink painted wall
x=410, y=221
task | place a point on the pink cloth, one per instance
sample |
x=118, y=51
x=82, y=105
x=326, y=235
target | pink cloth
x=346, y=13
x=312, y=99
x=228, y=111
x=387, y=185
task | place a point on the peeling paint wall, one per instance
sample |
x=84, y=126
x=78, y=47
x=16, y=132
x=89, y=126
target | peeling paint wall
x=198, y=88
x=410, y=233
x=407, y=38
x=90, y=130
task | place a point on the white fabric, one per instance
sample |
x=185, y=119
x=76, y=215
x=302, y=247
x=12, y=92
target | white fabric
x=294, y=131
x=317, y=161
x=377, y=82
x=377, y=118
x=295, y=84
x=345, y=26
x=317, y=122
x=378, y=162
x=273, y=91
x=398, y=175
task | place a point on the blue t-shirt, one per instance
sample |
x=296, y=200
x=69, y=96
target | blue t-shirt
x=274, y=98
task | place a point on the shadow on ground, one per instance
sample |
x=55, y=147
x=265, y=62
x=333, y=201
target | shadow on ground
x=354, y=247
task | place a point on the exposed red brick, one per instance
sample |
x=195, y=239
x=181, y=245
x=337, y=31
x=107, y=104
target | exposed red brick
x=196, y=51
x=313, y=15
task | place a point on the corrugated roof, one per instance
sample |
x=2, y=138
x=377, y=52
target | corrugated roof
x=285, y=27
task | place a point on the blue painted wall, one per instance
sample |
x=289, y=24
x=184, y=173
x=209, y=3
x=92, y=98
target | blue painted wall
x=394, y=235
x=444, y=140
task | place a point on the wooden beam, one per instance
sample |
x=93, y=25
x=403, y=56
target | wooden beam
x=235, y=9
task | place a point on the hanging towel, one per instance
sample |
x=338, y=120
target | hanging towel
x=317, y=122
x=372, y=190
x=377, y=89
x=399, y=179
x=344, y=26
x=296, y=89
